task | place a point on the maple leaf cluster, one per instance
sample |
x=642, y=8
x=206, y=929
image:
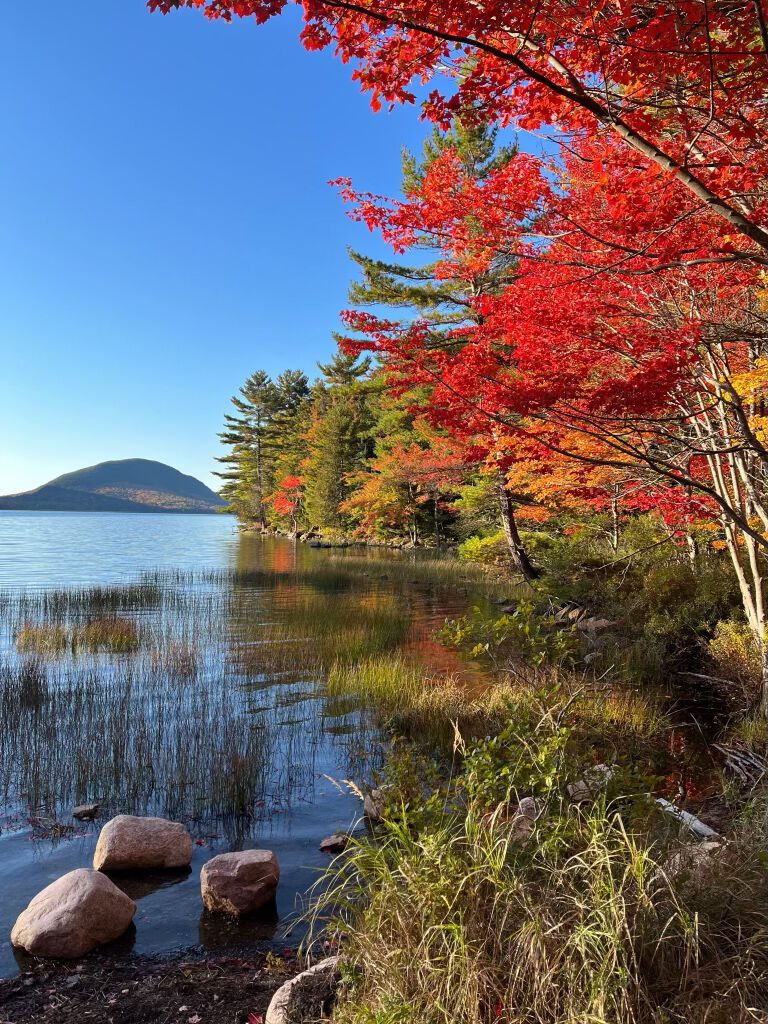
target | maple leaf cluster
x=625, y=352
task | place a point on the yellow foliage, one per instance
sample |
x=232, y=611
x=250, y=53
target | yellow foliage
x=752, y=389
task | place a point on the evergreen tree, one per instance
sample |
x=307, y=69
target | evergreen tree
x=445, y=304
x=339, y=439
x=255, y=435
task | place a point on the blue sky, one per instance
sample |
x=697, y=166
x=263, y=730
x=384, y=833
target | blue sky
x=165, y=224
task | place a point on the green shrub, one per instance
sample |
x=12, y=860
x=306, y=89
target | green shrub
x=525, y=632
x=735, y=654
x=486, y=551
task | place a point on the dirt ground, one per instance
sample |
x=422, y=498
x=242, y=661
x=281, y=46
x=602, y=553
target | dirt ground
x=146, y=991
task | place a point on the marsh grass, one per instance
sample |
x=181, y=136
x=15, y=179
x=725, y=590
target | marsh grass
x=175, y=657
x=135, y=741
x=97, y=600
x=429, y=707
x=461, y=922
x=192, y=695
x=43, y=639
x=309, y=632
x=117, y=635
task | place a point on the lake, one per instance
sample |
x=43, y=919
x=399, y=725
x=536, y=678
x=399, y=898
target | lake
x=167, y=664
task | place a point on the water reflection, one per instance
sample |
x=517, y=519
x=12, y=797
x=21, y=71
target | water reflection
x=140, y=885
x=217, y=716
x=218, y=932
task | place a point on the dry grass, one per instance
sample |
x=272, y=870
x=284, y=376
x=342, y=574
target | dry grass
x=117, y=635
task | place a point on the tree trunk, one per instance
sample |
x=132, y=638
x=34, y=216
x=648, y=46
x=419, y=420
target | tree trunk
x=764, y=690
x=693, y=549
x=519, y=555
x=615, y=520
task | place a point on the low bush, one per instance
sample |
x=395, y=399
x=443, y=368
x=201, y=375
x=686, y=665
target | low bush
x=735, y=655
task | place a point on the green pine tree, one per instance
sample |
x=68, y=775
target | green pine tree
x=339, y=439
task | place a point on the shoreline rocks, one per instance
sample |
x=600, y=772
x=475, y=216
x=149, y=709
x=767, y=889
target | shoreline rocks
x=73, y=915
x=335, y=843
x=307, y=996
x=239, y=883
x=375, y=803
x=128, y=843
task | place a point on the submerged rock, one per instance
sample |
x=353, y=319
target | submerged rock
x=306, y=997
x=334, y=843
x=75, y=914
x=85, y=812
x=129, y=843
x=239, y=883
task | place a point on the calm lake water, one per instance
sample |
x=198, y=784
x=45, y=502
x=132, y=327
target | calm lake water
x=214, y=713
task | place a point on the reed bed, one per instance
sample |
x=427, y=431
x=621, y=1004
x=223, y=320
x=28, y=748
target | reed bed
x=118, y=635
x=429, y=707
x=192, y=695
x=141, y=742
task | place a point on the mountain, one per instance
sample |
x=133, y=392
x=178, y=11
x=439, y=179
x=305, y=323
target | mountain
x=127, y=485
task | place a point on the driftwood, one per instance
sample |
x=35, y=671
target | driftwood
x=712, y=679
x=742, y=762
x=689, y=820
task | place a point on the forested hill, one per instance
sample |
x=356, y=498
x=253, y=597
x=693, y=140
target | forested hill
x=127, y=485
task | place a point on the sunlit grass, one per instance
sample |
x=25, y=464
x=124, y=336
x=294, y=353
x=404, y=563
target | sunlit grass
x=43, y=639
x=117, y=635
x=426, y=705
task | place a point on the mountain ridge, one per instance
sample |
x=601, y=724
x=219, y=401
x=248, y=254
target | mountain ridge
x=119, y=485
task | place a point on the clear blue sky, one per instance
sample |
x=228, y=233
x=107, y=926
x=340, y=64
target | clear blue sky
x=166, y=227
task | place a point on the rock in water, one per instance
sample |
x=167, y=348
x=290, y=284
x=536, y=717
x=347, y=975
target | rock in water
x=85, y=812
x=239, y=883
x=335, y=843
x=75, y=914
x=305, y=997
x=127, y=843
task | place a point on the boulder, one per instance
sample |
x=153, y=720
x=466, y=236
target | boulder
x=523, y=820
x=529, y=806
x=127, y=843
x=589, y=788
x=694, y=860
x=85, y=812
x=239, y=883
x=334, y=843
x=75, y=914
x=375, y=803
x=592, y=624
x=691, y=863
x=307, y=996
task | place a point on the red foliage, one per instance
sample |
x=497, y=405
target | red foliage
x=679, y=84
